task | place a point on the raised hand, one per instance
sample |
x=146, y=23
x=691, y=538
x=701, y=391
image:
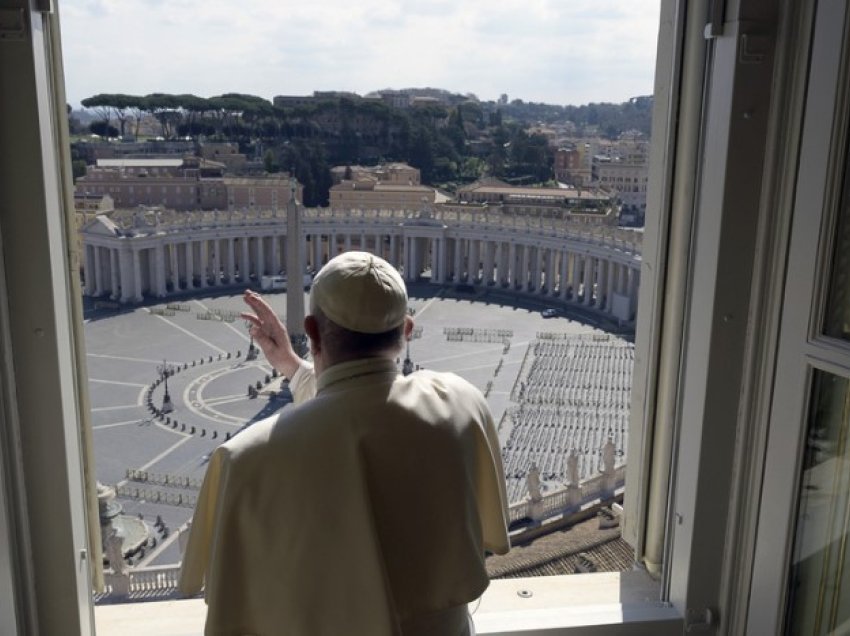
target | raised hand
x=270, y=334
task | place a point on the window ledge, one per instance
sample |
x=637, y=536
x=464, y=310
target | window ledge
x=608, y=603
x=611, y=602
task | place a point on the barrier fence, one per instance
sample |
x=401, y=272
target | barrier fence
x=472, y=334
x=220, y=315
x=157, y=496
x=163, y=479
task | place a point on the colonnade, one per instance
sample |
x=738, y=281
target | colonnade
x=161, y=263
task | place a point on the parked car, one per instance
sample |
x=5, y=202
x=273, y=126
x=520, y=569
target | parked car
x=549, y=313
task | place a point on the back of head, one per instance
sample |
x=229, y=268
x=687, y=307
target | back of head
x=360, y=303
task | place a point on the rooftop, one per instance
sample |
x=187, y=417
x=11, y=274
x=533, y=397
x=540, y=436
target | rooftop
x=140, y=163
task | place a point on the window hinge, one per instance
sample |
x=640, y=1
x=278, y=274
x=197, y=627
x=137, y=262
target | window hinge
x=12, y=24
x=44, y=6
x=697, y=620
x=714, y=26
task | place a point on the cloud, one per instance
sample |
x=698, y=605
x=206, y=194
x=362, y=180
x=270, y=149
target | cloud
x=538, y=50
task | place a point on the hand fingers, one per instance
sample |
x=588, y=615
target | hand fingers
x=252, y=319
x=257, y=302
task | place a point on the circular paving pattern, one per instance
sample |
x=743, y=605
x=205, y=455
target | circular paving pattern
x=157, y=459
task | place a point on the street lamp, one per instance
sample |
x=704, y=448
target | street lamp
x=407, y=365
x=252, y=350
x=164, y=372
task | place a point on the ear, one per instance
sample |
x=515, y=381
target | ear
x=311, y=328
x=408, y=328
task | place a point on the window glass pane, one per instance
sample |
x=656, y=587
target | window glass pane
x=820, y=577
x=838, y=299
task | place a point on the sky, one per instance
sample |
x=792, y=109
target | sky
x=552, y=51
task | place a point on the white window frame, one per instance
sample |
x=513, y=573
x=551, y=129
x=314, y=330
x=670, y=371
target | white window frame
x=802, y=346
x=702, y=188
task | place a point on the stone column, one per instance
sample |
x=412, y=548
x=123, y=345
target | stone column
x=159, y=268
x=245, y=266
x=601, y=276
x=216, y=262
x=523, y=266
x=442, y=258
x=411, y=273
x=577, y=261
x=563, y=284
x=204, y=263
x=348, y=241
x=137, y=276
x=113, y=272
x=588, y=280
x=501, y=263
x=295, y=255
x=317, y=251
x=513, y=278
x=393, y=259
x=231, y=261
x=537, y=281
x=634, y=281
x=457, y=275
x=275, y=258
x=551, y=275
x=487, y=274
x=190, y=265
x=98, y=272
x=473, y=260
x=175, y=269
x=261, y=257
x=126, y=258
x=88, y=268
x=615, y=273
x=609, y=287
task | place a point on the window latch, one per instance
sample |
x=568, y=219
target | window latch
x=702, y=619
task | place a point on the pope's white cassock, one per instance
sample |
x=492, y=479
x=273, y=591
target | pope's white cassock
x=363, y=511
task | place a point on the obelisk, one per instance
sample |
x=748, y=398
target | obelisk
x=295, y=272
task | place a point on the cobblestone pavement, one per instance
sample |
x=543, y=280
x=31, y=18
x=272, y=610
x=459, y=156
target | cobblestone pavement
x=201, y=341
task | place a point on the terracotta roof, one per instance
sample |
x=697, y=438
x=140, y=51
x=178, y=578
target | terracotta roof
x=561, y=552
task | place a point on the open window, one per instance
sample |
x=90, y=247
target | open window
x=733, y=120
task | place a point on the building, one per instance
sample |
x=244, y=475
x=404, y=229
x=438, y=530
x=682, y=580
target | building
x=572, y=165
x=188, y=183
x=225, y=152
x=388, y=173
x=627, y=179
x=586, y=203
x=91, y=151
x=131, y=255
x=736, y=493
x=395, y=99
x=294, y=101
x=367, y=192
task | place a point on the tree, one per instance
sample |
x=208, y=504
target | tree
x=270, y=162
x=422, y=154
x=103, y=129
x=164, y=108
x=102, y=107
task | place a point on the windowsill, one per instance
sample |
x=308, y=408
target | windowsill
x=610, y=602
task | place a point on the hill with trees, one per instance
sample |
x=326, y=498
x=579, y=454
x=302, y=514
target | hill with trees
x=454, y=139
